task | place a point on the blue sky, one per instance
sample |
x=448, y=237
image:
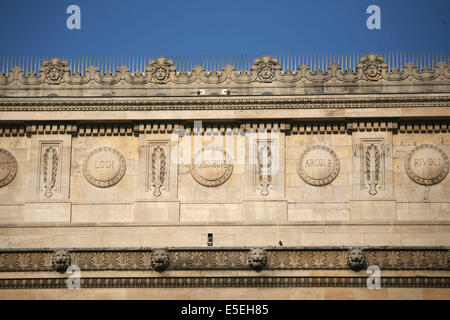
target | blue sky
x=147, y=27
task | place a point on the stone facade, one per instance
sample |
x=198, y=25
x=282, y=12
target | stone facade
x=284, y=184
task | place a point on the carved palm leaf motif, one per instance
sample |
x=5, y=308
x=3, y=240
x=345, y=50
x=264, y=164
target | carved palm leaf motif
x=331, y=260
x=111, y=261
x=135, y=260
x=197, y=259
x=238, y=259
x=122, y=260
x=158, y=169
x=50, y=170
x=221, y=259
x=372, y=167
x=393, y=260
x=264, y=168
x=145, y=259
x=81, y=259
x=97, y=260
x=36, y=261
x=4, y=265
x=22, y=261
x=417, y=259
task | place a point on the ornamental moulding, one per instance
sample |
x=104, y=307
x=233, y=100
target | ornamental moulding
x=265, y=70
x=10, y=104
x=224, y=282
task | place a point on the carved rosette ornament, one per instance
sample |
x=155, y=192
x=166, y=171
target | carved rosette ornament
x=61, y=260
x=257, y=259
x=104, y=167
x=160, y=70
x=318, y=165
x=265, y=68
x=8, y=167
x=427, y=164
x=212, y=166
x=160, y=259
x=356, y=259
x=54, y=70
x=372, y=67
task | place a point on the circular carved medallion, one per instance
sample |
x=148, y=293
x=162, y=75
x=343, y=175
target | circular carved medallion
x=212, y=166
x=427, y=164
x=318, y=165
x=104, y=167
x=8, y=167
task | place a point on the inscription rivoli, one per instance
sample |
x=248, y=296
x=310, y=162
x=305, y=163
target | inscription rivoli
x=427, y=164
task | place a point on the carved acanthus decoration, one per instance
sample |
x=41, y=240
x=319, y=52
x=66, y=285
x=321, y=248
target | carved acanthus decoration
x=160, y=259
x=54, y=71
x=61, y=260
x=356, y=259
x=373, y=167
x=257, y=259
x=160, y=70
x=372, y=67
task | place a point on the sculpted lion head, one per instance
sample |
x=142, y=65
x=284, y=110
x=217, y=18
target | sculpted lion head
x=257, y=258
x=160, y=259
x=356, y=259
x=61, y=260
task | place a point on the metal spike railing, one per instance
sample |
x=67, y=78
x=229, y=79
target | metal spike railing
x=241, y=62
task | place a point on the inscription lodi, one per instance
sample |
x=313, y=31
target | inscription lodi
x=104, y=167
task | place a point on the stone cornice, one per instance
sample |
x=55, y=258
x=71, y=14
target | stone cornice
x=93, y=104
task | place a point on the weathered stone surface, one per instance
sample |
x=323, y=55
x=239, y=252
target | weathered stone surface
x=363, y=165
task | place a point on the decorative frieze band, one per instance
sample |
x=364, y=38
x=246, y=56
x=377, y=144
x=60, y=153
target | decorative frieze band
x=228, y=259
